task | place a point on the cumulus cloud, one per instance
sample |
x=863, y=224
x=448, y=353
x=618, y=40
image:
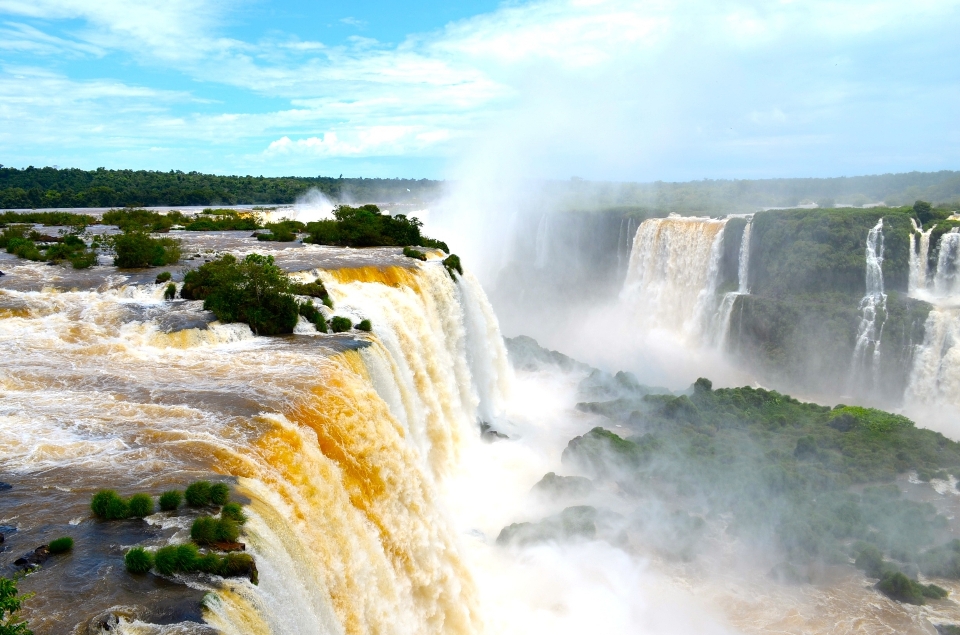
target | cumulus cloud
x=623, y=86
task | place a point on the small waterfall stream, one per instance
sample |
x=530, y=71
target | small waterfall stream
x=873, y=309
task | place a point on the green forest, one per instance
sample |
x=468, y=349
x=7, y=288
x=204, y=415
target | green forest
x=49, y=187
x=38, y=188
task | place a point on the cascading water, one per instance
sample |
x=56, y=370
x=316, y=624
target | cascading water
x=341, y=450
x=672, y=276
x=721, y=324
x=946, y=282
x=919, y=254
x=873, y=307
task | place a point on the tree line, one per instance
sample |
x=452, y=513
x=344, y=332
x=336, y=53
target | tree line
x=44, y=188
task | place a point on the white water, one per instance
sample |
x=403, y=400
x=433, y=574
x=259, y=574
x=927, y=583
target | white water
x=919, y=254
x=343, y=454
x=721, y=324
x=873, y=308
x=672, y=276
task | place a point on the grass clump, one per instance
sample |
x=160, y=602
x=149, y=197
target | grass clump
x=234, y=512
x=365, y=325
x=340, y=324
x=61, y=545
x=899, y=587
x=207, y=530
x=253, y=290
x=197, y=494
x=140, y=505
x=108, y=505
x=219, y=493
x=452, y=263
x=170, y=292
x=284, y=232
x=138, y=560
x=170, y=500
x=163, y=276
x=313, y=315
x=409, y=252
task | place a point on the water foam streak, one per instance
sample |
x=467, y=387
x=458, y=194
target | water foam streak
x=873, y=307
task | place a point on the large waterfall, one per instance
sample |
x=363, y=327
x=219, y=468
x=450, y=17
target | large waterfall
x=672, y=276
x=935, y=376
x=341, y=450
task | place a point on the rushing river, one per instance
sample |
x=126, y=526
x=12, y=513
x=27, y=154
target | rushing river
x=374, y=504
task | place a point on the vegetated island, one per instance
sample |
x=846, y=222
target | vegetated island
x=817, y=483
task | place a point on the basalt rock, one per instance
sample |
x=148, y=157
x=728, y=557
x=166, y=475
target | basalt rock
x=40, y=555
x=229, y=546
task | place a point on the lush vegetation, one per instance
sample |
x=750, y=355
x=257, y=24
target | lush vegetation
x=797, y=252
x=22, y=241
x=409, y=252
x=106, y=504
x=816, y=481
x=207, y=530
x=452, y=263
x=50, y=219
x=366, y=226
x=140, y=505
x=137, y=249
x=284, y=232
x=11, y=602
x=50, y=187
x=253, y=290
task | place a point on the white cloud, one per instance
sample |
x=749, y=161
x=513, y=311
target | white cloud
x=591, y=75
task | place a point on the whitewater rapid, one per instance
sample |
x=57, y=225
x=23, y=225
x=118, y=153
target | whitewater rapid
x=341, y=446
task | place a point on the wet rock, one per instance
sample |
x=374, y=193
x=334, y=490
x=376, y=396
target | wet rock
x=40, y=555
x=110, y=620
x=564, y=486
x=4, y=486
x=229, y=546
x=488, y=434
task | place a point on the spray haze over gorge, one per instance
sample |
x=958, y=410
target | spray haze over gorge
x=485, y=318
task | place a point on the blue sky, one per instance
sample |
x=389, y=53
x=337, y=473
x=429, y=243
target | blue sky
x=601, y=89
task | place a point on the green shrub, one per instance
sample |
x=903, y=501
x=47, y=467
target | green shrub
x=204, y=530
x=327, y=302
x=313, y=315
x=107, y=505
x=163, y=276
x=367, y=226
x=61, y=545
x=177, y=559
x=136, y=249
x=142, y=220
x=170, y=292
x=452, y=263
x=138, y=560
x=313, y=289
x=198, y=493
x=340, y=324
x=170, y=500
x=24, y=248
x=903, y=589
x=219, y=493
x=414, y=253
x=234, y=512
x=140, y=505
x=254, y=291
x=365, y=325
x=227, y=530
x=83, y=259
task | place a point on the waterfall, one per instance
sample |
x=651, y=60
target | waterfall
x=919, y=254
x=721, y=327
x=935, y=376
x=873, y=307
x=542, y=244
x=672, y=275
x=946, y=282
x=341, y=451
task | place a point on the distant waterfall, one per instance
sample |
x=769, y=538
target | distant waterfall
x=873, y=310
x=672, y=276
x=935, y=376
x=919, y=255
x=721, y=325
x=946, y=282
